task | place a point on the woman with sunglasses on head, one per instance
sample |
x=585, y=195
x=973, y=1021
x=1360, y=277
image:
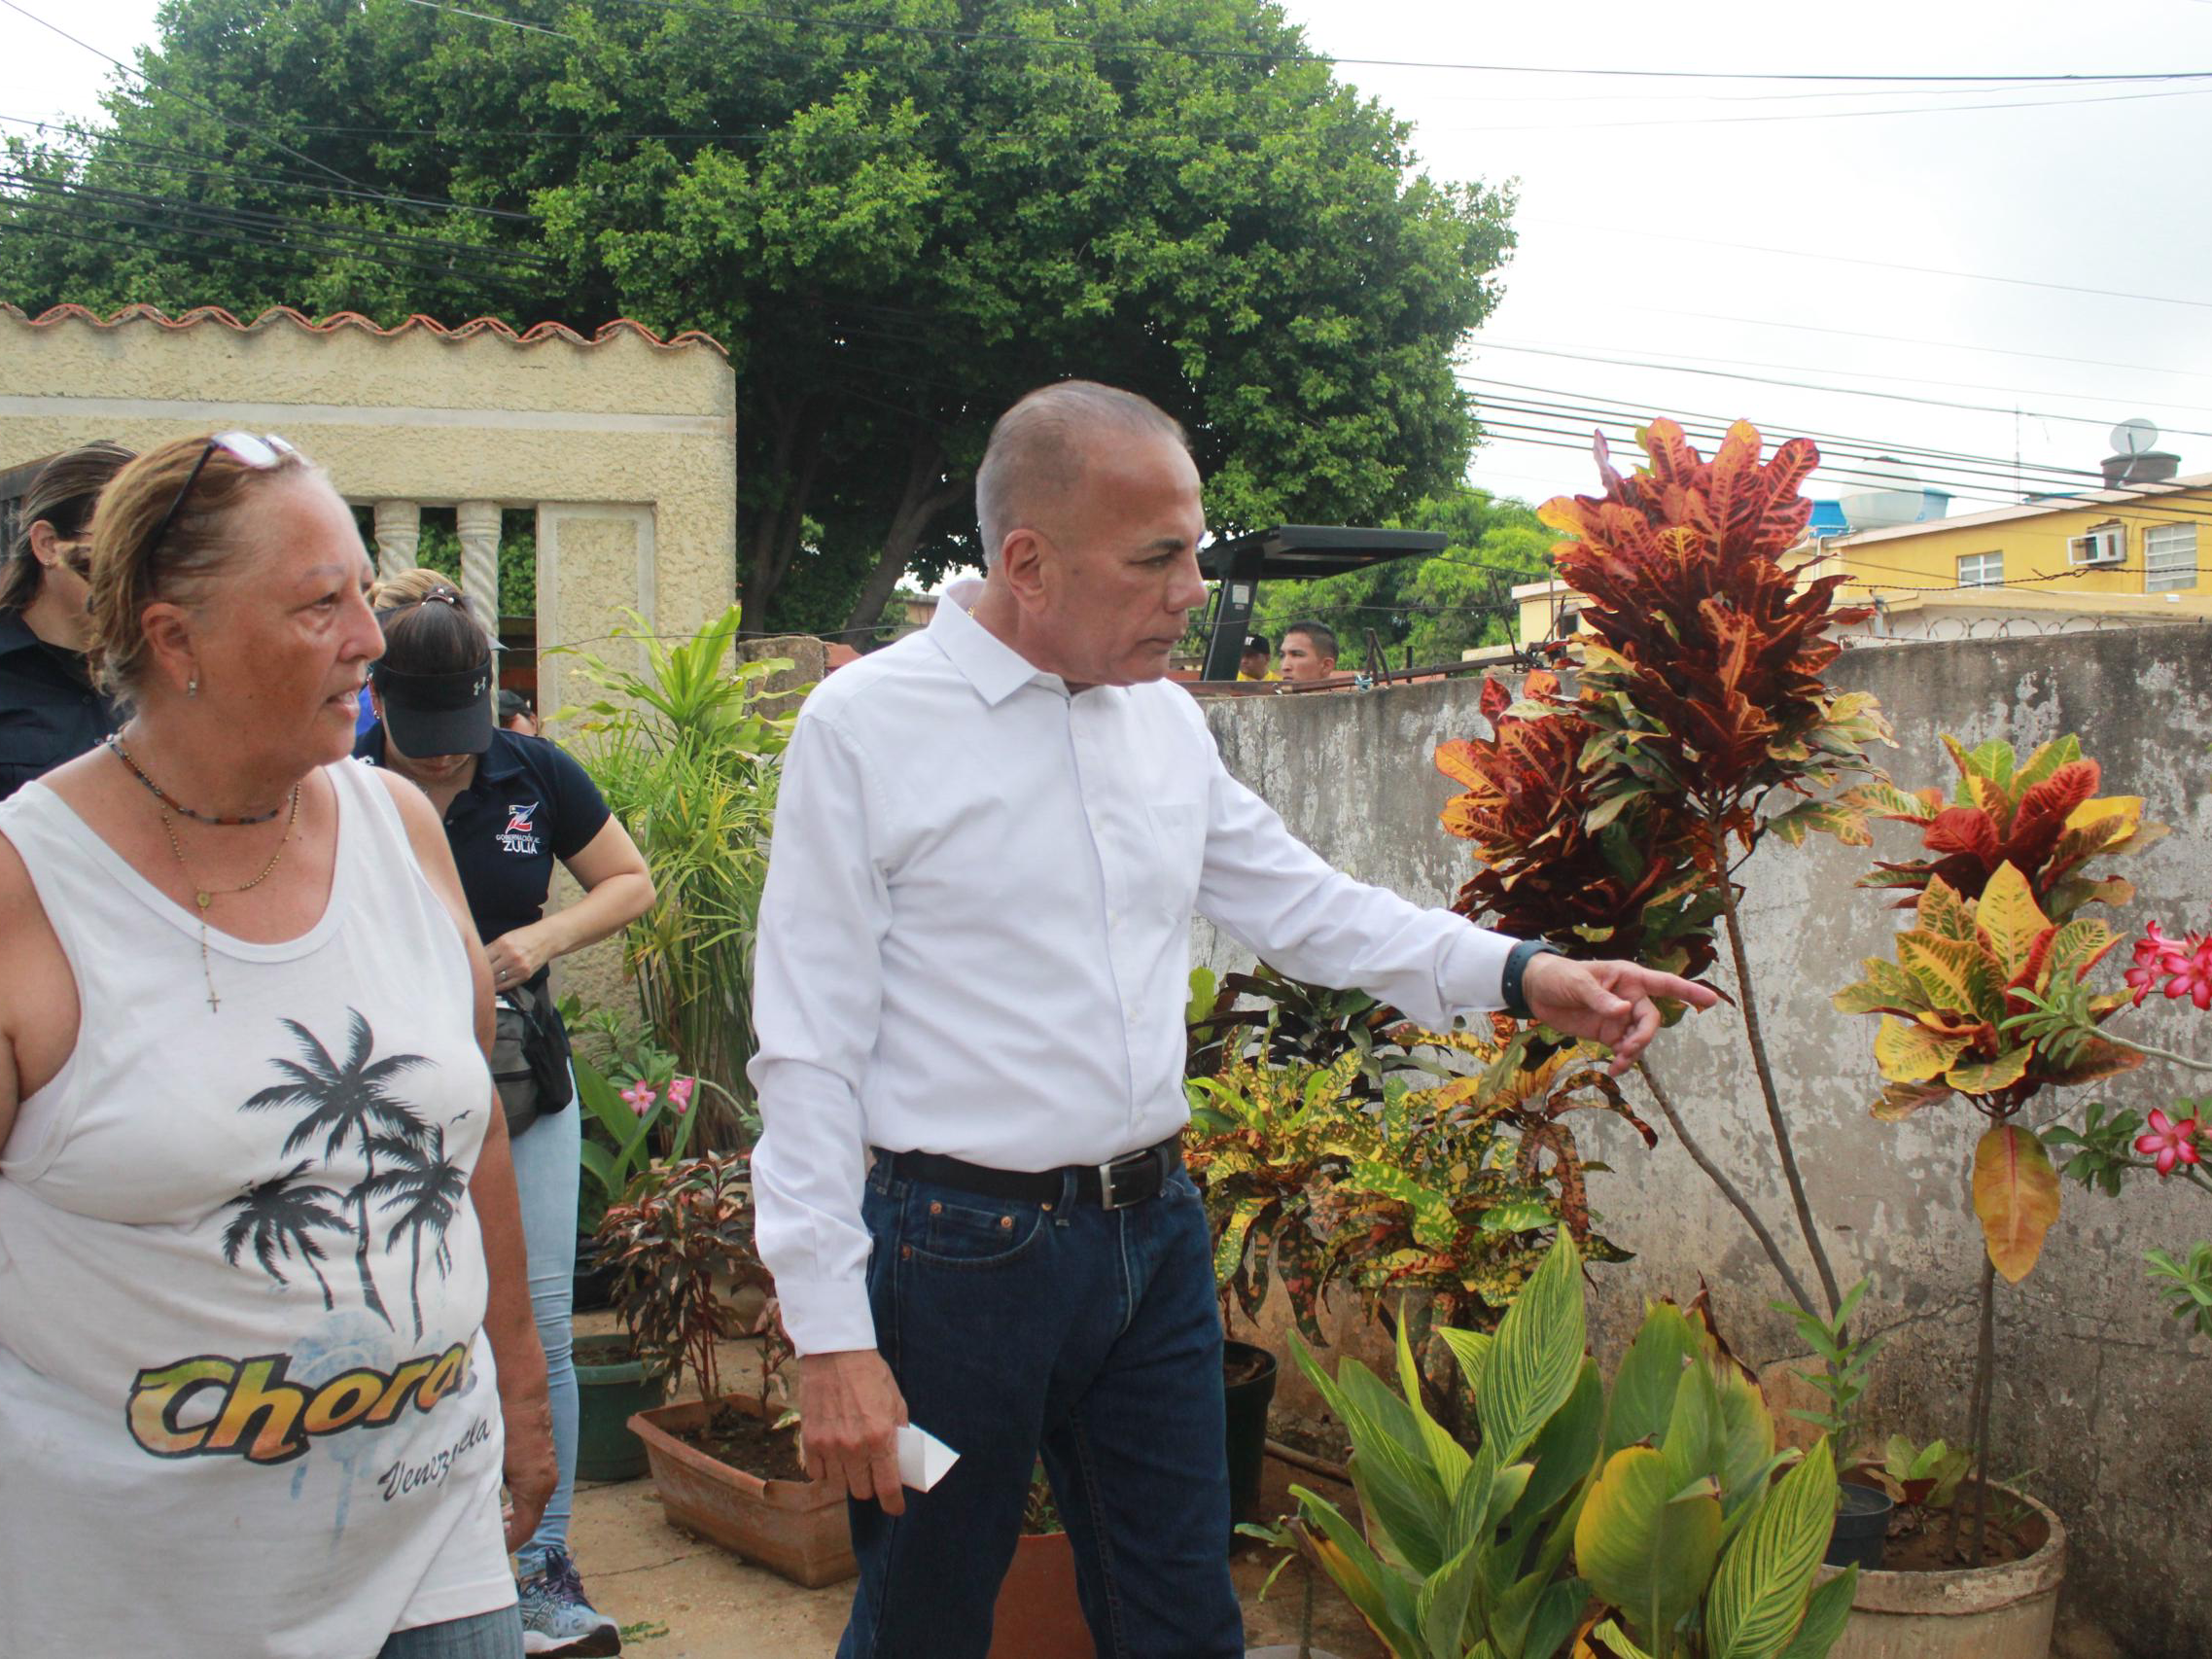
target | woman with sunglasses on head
x=265, y=1345
x=49, y=711
x=511, y=806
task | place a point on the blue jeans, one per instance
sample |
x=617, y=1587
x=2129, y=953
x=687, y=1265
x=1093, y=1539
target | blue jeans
x=1086, y=1335
x=486, y=1636
x=549, y=1158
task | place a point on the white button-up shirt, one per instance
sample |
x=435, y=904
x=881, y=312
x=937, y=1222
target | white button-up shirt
x=975, y=935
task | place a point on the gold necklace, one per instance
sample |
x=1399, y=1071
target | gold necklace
x=203, y=897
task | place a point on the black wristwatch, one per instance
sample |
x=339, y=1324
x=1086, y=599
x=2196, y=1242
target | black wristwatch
x=1517, y=961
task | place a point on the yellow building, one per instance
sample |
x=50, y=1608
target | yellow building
x=2104, y=558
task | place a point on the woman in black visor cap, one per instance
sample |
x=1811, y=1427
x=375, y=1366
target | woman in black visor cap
x=511, y=806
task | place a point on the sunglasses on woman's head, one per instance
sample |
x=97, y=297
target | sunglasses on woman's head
x=258, y=452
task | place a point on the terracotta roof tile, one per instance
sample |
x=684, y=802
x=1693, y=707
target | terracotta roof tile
x=215, y=316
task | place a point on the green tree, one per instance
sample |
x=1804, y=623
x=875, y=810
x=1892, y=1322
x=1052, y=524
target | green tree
x=1439, y=606
x=896, y=214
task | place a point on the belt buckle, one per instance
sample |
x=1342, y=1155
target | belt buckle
x=1109, y=1199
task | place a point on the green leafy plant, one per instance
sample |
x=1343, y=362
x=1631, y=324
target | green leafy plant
x=1645, y=1523
x=1438, y=1162
x=687, y=753
x=682, y=1227
x=641, y=1121
x=1927, y=1476
x=1842, y=1380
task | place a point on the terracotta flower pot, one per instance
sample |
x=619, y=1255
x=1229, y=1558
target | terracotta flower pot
x=1983, y=1613
x=793, y=1528
x=1039, y=1615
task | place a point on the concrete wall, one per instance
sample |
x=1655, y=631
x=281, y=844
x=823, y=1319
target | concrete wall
x=2099, y=1394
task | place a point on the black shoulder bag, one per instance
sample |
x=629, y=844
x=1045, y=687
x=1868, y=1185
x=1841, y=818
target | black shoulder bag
x=530, y=1055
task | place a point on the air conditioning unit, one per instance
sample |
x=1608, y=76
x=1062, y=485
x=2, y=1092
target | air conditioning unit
x=2106, y=545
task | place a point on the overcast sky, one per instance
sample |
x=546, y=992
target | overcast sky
x=1627, y=187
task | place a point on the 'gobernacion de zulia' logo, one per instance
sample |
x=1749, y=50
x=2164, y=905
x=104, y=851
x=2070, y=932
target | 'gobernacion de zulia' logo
x=245, y=1408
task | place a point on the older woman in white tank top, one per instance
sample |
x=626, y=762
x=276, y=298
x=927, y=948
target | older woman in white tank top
x=265, y=1352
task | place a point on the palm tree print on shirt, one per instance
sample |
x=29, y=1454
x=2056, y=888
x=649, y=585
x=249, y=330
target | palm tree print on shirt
x=281, y=1216
x=428, y=1191
x=342, y=1102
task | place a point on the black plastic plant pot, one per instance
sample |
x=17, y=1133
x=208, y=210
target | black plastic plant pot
x=1862, y=1527
x=1246, y=1402
x=593, y=1285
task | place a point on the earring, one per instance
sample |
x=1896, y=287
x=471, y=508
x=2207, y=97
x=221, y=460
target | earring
x=192, y=686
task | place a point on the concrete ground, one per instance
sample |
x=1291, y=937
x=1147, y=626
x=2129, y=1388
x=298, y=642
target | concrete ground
x=680, y=1597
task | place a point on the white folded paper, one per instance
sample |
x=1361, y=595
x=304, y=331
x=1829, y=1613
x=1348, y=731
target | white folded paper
x=923, y=1460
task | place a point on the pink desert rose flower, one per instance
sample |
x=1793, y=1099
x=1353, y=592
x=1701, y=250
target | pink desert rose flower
x=2168, y=1141
x=639, y=1095
x=2191, y=976
x=680, y=1094
x=2156, y=956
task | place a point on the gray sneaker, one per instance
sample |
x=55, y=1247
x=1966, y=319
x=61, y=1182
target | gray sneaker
x=557, y=1621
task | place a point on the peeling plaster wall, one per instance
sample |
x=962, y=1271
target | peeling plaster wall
x=2099, y=1394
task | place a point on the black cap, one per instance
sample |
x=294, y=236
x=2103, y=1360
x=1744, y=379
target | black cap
x=512, y=704
x=427, y=715
x=1255, y=641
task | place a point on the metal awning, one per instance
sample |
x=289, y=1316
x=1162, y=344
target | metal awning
x=1290, y=552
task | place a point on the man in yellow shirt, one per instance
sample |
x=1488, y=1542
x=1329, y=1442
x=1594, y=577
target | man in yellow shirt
x=1252, y=665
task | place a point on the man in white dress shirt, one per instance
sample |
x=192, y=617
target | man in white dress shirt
x=991, y=840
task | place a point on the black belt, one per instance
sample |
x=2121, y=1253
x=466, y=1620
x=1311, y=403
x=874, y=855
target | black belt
x=1114, y=1185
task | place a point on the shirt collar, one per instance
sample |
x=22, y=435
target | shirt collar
x=994, y=668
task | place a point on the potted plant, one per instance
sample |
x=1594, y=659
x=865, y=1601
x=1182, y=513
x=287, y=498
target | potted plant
x=1038, y=1614
x=1644, y=1522
x=1624, y=810
x=687, y=752
x=636, y=1108
x=1438, y=1163
x=728, y=1468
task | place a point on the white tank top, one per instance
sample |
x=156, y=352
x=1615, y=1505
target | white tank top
x=246, y=1403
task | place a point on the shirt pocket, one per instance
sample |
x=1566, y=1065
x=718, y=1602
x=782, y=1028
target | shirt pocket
x=1179, y=836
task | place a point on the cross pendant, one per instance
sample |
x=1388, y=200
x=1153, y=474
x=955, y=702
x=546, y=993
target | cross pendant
x=213, y=1000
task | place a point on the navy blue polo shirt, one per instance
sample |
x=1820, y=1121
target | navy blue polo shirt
x=528, y=804
x=49, y=711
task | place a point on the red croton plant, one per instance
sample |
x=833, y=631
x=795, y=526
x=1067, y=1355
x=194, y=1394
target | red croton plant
x=1610, y=820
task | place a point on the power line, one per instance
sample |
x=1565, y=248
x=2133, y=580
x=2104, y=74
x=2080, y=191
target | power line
x=486, y=16
x=1505, y=343
x=233, y=169
x=1821, y=114
x=69, y=232
x=1285, y=58
x=329, y=234
x=1878, y=265
x=1810, y=386
x=1960, y=479
x=1913, y=339
x=197, y=103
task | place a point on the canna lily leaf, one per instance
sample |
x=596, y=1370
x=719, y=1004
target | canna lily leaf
x=1645, y=1553
x=1758, y=1596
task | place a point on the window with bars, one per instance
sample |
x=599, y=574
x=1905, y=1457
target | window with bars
x=1982, y=570
x=2170, y=557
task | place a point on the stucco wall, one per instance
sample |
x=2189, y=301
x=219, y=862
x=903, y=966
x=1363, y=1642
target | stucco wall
x=626, y=445
x=2099, y=1394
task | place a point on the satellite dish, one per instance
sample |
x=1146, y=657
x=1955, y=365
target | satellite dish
x=2136, y=437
